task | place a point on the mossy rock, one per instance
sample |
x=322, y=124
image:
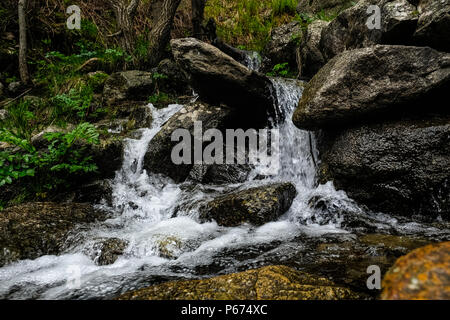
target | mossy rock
x=423, y=274
x=268, y=283
x=256, y=205
x=31, y=230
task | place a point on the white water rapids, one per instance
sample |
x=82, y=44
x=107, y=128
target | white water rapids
x=143, y=207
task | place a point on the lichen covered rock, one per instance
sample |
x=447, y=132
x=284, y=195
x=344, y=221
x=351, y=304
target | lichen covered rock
x=268, y=283
x=423, y=274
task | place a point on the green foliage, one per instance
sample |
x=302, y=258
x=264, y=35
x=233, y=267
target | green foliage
x=74, y=105
x=280, y=7
x=21, y=120
x=281, y=70
x=66, y=156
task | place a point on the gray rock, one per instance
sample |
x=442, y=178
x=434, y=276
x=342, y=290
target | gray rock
x=107, y=251
x=311, y=58
x=128, y=85
x=31, y=230
x=158, y=158
x=433, y=27
x=399, y=167
x=256, y=205
x=15, y=87
x=380, y=81
x=3, y=114
x=218, y=78
x=176, y=82
x=283, y=43
x=349, y=30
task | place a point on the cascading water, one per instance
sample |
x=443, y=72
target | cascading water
x=162, y=247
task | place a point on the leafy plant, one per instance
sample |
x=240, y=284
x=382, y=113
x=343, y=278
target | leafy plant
x=281, y=70
x=67, y=155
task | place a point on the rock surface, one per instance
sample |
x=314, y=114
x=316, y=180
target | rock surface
x=350, y=31
x=268, y=283
x=283, y=43
x=128, y=85
x=256, y=205
x=362, y=84
x=218, y=78
x=31, y=230
x=158, y=158
x=311, y=58
x=423, y=274
x=433, y=28
x=108, y=251
x=400, y=167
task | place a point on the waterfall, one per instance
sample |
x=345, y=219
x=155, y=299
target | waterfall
x=161, y=245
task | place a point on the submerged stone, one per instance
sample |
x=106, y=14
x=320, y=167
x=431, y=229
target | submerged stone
x=268, y=283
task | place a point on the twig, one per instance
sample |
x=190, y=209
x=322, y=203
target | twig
x=16, y=98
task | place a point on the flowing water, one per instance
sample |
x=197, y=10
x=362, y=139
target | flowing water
x=162, y=246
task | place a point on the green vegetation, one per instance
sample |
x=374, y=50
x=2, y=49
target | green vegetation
x=65, y=158
x=282, y=70
x=248, y=23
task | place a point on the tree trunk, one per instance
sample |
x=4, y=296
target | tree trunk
x=125, y=13
x=162, y=13
x=23, y=68
x=198, y=9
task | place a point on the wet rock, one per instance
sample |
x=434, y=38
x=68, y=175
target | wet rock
x=220, y=173
x=158, y=158
x=169, y=247
x=218, y=78
x=283, y=43
x=108, y=155
x=268, y=283
x=380, y=81
x=423, y=274
x=94, y=192
x=400, y=167
x=311, y=58
x=128, y=85
x=329, y=7
x=108, y=251
x=433, y=28
x=256, y=205
x=31, y=230
x=350, y=31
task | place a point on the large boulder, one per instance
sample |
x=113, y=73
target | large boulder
x=31, y=230
x=433, y=27
x=158, y=158
x=311, y=58
x=330, y=7
x=256, y=205
x=363, y=84
x=400, y=167
x=267, y=283
x=128, y=85
x=283, y=43
x=423, y=274
x=218, y=78
x=350, y=31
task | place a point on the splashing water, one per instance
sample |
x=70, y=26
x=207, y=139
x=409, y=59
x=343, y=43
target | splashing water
x=163, y=247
